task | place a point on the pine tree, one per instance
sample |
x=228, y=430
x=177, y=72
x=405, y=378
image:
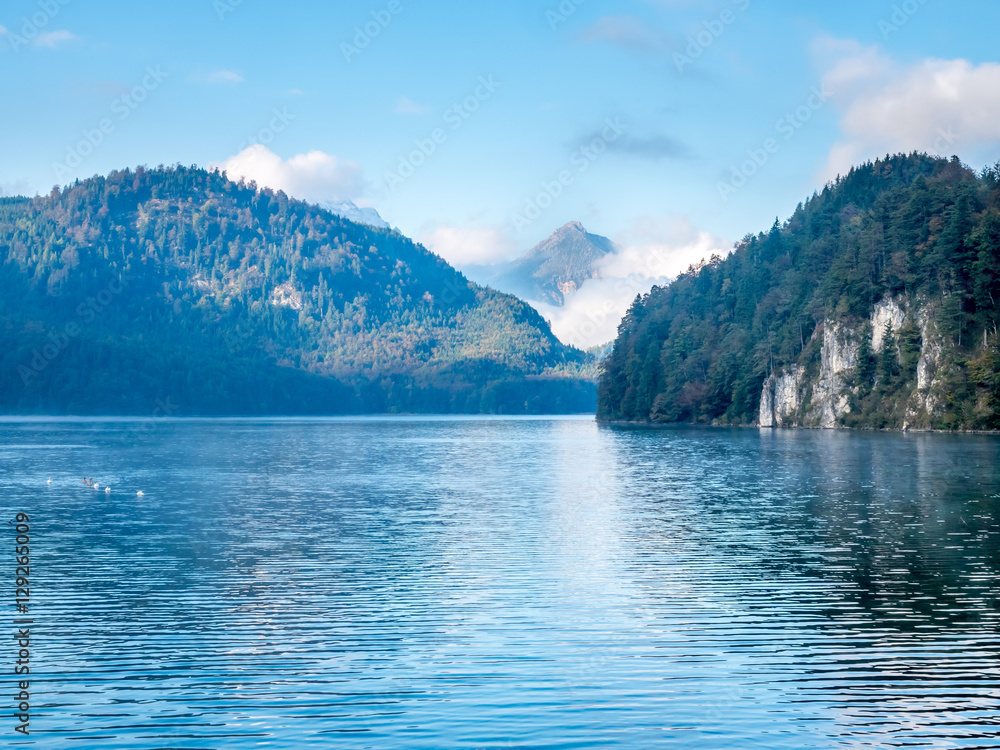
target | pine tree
x=866, y=362
x=888, y=360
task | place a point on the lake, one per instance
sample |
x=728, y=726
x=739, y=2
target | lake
x=502, y=583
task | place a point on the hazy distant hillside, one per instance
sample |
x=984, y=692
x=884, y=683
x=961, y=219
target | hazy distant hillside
x=875, y=305
x=352, y=212
x=552, y=269
x=179, y=286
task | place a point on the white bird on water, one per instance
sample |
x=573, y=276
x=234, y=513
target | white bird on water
x=49, y=482
x=107, y=490
x=140, y=493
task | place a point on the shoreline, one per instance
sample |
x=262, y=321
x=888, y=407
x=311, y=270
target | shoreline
x=284, y=417
x=674, y=425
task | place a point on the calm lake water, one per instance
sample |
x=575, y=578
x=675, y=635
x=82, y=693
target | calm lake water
x=502, y=583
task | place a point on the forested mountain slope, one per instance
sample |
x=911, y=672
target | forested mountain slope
x=876, y=305
x=177, y=286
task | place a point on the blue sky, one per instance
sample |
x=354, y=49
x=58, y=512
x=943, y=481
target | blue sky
x=858, y=79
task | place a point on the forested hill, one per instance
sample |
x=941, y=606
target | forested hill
x=875, y=305
x=176, y=290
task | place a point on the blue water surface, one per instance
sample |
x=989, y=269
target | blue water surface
x=501, y=583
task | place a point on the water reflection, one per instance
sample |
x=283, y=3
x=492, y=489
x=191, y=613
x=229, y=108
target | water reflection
x=508, y=583
x=860, y=568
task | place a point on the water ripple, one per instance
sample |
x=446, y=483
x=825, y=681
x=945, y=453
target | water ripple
x=505, y=584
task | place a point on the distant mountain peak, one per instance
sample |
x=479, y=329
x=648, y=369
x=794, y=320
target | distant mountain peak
x=573, y=238
x=353, y=212
x=553, y=269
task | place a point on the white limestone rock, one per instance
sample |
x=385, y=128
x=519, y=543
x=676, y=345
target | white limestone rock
x=887, y=312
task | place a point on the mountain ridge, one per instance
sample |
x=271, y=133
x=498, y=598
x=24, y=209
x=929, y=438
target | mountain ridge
x=176, y=283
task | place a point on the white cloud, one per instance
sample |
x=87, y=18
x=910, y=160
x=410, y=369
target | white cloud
x=466, y=247
x=52, y=38
x=651, y=253
x=406, y=106
x=590, y=316
x=943, y=107
x=225, y=76
x=18, y=187
x=3, y=30
x=850, y=66
x=315, y=176
x=657, y=249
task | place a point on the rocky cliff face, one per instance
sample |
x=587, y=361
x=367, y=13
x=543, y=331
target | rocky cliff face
x=781, y=399
x=823, y=393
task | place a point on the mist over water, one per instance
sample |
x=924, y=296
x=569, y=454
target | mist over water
x=498, y=583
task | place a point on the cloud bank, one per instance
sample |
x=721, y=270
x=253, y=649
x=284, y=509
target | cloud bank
x=943, y=107
x=651, y=253
x=315, y=176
